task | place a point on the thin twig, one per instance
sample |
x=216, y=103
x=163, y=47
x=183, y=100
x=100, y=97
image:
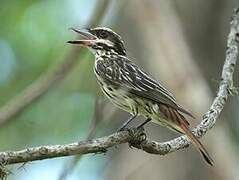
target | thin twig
x=48, y=79
x=134, y=136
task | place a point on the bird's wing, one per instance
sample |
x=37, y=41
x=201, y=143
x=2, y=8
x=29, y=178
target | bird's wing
x=123, y=73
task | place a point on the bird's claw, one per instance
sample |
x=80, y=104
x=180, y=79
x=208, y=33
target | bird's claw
x=138, y=135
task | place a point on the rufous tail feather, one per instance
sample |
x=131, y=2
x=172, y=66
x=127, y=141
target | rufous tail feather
x=197, y=143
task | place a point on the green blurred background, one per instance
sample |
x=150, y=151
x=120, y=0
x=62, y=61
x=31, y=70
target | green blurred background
x=182, y=43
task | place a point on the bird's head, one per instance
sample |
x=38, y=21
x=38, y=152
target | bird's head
x=100, y=39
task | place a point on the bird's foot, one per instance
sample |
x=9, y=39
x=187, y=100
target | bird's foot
x=138, y=136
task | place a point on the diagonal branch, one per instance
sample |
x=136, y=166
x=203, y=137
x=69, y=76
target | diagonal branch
x=226, y=88
x=135, y=137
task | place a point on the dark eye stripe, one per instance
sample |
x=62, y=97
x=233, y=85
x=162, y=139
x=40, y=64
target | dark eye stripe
x=103, y=34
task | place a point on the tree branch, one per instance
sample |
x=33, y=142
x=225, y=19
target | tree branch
x=45, y=152
x=226, y=88
x=135, y=137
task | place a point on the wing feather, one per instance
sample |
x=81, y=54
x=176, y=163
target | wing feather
x=137, y=82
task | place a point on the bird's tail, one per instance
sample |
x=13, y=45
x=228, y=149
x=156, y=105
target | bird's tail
x=178, y=122
x=185, y=128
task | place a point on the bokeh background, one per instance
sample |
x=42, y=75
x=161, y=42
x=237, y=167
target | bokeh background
x=49, y=95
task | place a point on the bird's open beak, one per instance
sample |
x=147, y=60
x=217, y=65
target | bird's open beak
x=88, y=38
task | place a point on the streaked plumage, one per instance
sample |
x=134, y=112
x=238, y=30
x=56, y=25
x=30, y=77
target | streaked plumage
x=132, y=89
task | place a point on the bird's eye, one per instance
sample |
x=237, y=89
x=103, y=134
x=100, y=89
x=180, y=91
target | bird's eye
x=103, y=34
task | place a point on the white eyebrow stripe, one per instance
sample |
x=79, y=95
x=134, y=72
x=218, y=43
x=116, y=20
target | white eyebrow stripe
x=105, y=41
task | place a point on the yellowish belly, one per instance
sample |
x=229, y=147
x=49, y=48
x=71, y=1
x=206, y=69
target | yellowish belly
x=135, y=105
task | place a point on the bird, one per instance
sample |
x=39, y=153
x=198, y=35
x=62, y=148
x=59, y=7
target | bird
x=131, y=88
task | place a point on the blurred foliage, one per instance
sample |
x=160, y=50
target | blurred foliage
x=33, y=37
x=58, y=118
x=32, y=40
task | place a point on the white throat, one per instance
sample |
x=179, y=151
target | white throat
x=102, y=52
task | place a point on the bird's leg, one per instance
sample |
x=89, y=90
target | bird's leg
x=145, y=122
x=127, y=122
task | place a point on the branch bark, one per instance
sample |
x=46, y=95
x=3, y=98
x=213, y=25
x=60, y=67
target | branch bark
x=135, y=137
